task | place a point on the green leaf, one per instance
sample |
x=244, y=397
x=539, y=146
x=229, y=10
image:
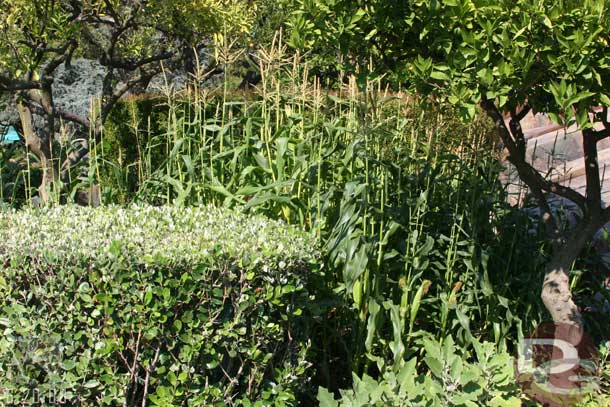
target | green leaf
x=500, y=401
x=423, y=288
x=440, y=75
x=371, y=328
x=435, y=366
x=91, y=384
x=547, y=22
x=371, y=34
x=68, y=364
x=578, y=97
x=326, y=398
x=148, y=296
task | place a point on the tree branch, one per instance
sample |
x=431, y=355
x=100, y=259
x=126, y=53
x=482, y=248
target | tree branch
x=111, y=11
x=148, y=370
x=61, y=114
x=599, y=135
x=120, y=30
x=522, y=113
x=602, y=134
x=66, y=53
x=117, y=94
x=589, y=143
x=11, y=85
x=516, y=147
x=517, y=131
x=532, y=178
x=131, y=65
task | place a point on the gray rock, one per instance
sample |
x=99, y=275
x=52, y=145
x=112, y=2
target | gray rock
x=74, y=88
x=77, y=85
x=8, y=111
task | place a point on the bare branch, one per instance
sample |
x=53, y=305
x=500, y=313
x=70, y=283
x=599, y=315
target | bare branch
x=517, y=131
x=117, y=94
x=602, y=134
x=149, y=369
x=599, y=135
x=61, y=114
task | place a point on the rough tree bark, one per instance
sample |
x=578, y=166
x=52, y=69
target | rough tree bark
x=566, y=244
x=40, y=146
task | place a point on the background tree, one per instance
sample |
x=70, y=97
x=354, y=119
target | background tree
x=37, y=38
x=193, y=23
x=509, y=57
x=130, y=38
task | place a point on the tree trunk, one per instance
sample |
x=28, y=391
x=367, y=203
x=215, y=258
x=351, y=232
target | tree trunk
x=41, y=147
x=556, y=293
x=189, y=59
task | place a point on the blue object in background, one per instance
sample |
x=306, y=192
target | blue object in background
x=10, y=136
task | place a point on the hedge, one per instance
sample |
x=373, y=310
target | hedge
x=174, y=307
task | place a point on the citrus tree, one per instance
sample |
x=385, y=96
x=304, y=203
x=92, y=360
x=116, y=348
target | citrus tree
x=509, y=57
x=130, y=38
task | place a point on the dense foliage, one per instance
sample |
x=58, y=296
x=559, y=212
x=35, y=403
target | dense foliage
x=169, y=306
x=453, y=381
x=405, y=277
x=549, y=55
x=420, y=240
x=410, y=215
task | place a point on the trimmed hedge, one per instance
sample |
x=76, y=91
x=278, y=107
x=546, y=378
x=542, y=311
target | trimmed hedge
x=178, y=306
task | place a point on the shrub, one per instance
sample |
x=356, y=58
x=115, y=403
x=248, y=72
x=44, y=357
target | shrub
x=113, y=306
x=451, y=381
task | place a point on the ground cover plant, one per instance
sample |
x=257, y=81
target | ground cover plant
x=454, y=381
x=152, y=306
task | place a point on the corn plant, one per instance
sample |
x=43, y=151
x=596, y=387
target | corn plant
x=406, y=200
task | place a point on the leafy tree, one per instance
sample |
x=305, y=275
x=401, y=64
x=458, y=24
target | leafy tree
x=509, y=57
x=130, y=38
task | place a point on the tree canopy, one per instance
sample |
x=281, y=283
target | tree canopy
x=552, y=54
